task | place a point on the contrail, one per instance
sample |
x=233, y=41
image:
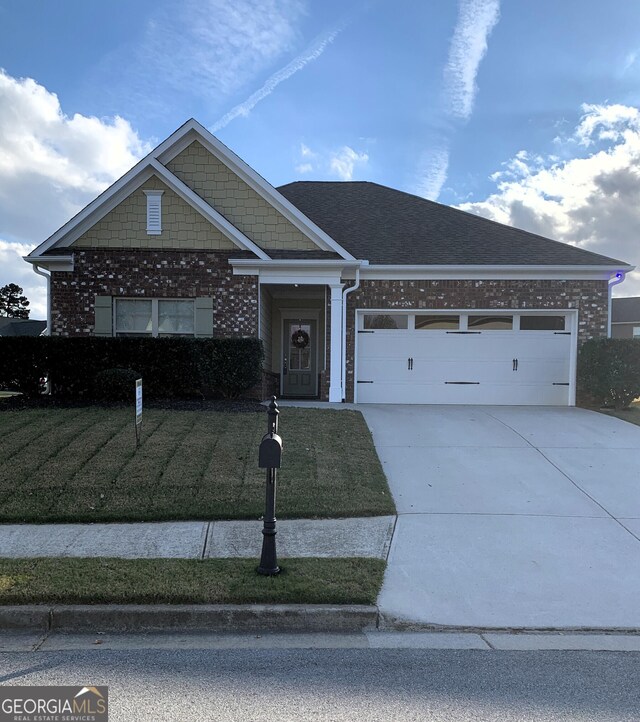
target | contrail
x=313, y=52
x=476, y=20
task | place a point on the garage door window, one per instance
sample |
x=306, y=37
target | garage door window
x=542, y=323
x=437, y=321
x=386, y=321
x=491, y=323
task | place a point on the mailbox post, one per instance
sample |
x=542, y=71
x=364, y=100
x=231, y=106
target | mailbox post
x=269, y=458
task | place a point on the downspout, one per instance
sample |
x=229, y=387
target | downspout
x=345, y=293
x=46, y=275
x=619, y=278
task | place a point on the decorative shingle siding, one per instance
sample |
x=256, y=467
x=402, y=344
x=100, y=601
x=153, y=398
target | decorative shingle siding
x=126, y=225
x=236, y=201
x=589, y=297
x=153, y=274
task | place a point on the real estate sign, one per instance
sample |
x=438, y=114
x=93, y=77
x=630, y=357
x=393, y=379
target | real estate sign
x=138, y=401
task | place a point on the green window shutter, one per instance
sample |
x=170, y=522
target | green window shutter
x=104, y=316
x=204, y=317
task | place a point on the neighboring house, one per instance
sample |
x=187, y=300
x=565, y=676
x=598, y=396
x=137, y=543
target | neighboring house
x=625, y=317
x=21, y=327
x=359, y=292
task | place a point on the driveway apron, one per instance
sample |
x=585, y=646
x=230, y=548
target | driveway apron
x=511, y=516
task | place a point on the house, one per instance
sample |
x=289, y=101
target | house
x=21, y=326
x=625, y=317
x=359, y=292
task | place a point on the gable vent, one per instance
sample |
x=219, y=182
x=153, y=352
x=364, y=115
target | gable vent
x=154, y=212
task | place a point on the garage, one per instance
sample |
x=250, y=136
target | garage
x=466, y=357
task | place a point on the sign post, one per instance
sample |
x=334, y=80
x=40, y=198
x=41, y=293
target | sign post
x=138, y=411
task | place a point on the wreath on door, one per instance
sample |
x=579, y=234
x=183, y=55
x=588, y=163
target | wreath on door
x=300, y=338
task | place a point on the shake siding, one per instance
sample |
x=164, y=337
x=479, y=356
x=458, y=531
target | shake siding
x=235, y=200
x=182, y=226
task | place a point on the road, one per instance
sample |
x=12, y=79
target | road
x=177, y=681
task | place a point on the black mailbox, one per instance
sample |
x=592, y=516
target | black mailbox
x=270, y=453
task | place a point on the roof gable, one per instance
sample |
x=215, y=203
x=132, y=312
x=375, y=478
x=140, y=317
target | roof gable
x=167, y=153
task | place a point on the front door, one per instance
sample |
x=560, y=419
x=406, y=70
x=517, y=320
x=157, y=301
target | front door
x=299, y=362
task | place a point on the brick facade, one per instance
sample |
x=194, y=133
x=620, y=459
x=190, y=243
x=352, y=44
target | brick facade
x=153, y=274
x=589, y=297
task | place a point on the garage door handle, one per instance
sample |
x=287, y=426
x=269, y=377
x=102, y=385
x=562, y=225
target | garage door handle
x=410, y=364
x=515, y=364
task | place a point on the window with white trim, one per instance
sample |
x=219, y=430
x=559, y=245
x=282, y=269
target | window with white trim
x=155, y=317
x=636, y=332
x=154, y=212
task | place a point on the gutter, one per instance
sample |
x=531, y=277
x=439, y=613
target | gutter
x=46, y=275
x=345, y=293
x=617, y=279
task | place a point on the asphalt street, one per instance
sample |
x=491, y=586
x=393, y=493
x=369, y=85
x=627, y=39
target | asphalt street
x=184, y=685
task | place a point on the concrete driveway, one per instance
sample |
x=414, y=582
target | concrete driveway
x=511, y=516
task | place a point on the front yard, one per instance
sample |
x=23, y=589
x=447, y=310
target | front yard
x=81, y=464
x=187, y=581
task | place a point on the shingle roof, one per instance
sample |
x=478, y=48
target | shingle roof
x=387, y=226
x=21, y=326
x=625, y=310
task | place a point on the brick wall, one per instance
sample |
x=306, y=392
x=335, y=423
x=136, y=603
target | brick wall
x=159, y=274
x=589, y=297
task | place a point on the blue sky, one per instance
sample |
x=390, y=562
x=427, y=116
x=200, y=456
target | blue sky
x=524, y=112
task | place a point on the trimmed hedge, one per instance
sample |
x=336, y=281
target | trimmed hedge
x=609, y=371
x=170, y=367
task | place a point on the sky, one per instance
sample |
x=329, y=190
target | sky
x=524, y=112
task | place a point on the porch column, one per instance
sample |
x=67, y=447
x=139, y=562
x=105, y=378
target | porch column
x=335, y=356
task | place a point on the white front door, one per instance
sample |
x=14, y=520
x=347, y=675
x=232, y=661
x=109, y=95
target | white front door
x=464, y=358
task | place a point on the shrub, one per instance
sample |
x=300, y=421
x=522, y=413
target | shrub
x=609, y=371
x=115, y=384
x=237, y=365
x=23, y=362
x=171, y=367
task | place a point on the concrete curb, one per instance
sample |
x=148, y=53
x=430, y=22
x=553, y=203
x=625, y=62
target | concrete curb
x=181, y=617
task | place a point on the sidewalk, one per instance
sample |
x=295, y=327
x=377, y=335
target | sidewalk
x=355, y=537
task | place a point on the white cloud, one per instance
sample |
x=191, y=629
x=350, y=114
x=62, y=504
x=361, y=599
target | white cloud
x=592, y=202
x=313, y=52
x=436, y=165
x=476, y=20
x=207, y=49
x=343, y=162
x=51, y=165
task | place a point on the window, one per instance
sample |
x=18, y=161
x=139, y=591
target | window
x=437, y=321
x=491, y=323
x=154, y=212
x=542, y=323
x=154, y=317
x=636, y=332
x=389, y=321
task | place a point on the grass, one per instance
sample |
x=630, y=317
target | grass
x=81, y=464
x=630, y=414
x=185, y=581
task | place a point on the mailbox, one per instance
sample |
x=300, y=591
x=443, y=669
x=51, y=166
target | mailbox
x=270, y=453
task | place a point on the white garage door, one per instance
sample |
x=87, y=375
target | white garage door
x=464, y=358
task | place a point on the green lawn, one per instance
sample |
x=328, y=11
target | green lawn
x=185, y=581
x=81, y=464
x=631, y=414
